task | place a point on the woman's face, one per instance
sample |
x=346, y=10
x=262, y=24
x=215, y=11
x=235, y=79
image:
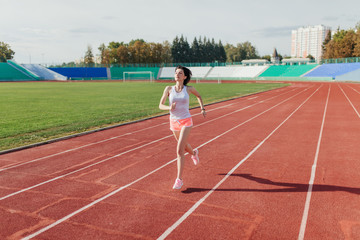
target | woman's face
x=179, y=75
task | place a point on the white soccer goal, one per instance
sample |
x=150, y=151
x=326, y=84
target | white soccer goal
x=217, y=78
x=139, y=76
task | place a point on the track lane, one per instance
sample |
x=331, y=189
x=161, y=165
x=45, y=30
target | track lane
x=259, y=196
x=334, y=210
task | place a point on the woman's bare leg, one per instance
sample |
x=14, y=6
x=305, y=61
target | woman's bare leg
x=188, y=147
x=182, y=137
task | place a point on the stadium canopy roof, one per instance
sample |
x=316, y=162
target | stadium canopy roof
x=254, y=61
x=296, y=60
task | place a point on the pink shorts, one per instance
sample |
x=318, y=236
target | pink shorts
x=178, y=124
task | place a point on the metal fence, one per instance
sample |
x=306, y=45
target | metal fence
x=341, y=60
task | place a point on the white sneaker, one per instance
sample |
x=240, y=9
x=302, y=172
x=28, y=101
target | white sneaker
x=178, y=183
x=195, y=157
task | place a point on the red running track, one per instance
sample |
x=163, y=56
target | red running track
x=281, y=164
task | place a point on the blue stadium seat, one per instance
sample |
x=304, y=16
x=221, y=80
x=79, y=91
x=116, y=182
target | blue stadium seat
x=333, y=70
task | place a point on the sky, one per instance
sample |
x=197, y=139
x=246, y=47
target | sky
x=57, y=31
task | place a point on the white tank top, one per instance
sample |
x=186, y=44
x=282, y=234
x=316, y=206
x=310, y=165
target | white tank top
x=181, y=110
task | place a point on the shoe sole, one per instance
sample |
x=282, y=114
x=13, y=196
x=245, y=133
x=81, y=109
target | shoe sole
x=178, y=187
x=197, y=160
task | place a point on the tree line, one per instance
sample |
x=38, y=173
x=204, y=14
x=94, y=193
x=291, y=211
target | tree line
x=138, y=51
x=202, y=50
x=180, y=51
x=343, y=44
x=241, y=51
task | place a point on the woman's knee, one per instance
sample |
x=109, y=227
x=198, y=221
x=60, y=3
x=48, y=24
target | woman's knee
x=180, y=152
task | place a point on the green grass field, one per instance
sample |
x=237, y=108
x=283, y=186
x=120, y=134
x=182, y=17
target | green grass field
x=37, y=111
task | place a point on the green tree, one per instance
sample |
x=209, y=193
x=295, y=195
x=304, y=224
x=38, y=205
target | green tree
x=214, y=51
x=339, y=35
x=136, y=51
x=326, y=41
x=241, y=52
x=156, y=53
x=249, y=51
x=122, y=55
x=311, y=57
x=102, y=49
x=231, y=53
x=329, y=50
x=132, y=42
x=5, y=52
x=208, y=51
x=196, y=51
x=185, y=50
x=267, y=57
x=181, y=51
x=356, y=52
x=166, y=52
x=106, y=57
x=89, y=57
x=357, y=26
x=175, y=49
x=115, y=45
x=344, y=44
x=221, y=52
x=202, y=50
x=139, y=51
x=205, y=48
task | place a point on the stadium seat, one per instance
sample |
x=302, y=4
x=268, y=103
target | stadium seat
x=333, y=70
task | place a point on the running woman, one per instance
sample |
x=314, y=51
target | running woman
x=180, y=118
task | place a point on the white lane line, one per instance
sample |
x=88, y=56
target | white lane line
x=352, y=105
x=198, y=203
x=353, y=89
x=312, y=177
x=141, y=178
x=130, y=150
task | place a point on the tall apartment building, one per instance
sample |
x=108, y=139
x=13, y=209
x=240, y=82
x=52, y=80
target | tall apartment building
x=308, y=41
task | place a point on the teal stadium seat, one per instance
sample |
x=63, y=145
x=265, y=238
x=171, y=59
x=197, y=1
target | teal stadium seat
x=9, y=73
x=288, y=70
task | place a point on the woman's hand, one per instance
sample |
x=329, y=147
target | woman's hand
x=203, y=112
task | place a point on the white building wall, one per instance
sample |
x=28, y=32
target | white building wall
x=308, y=40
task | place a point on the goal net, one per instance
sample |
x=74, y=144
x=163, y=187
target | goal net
x=139, y=76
